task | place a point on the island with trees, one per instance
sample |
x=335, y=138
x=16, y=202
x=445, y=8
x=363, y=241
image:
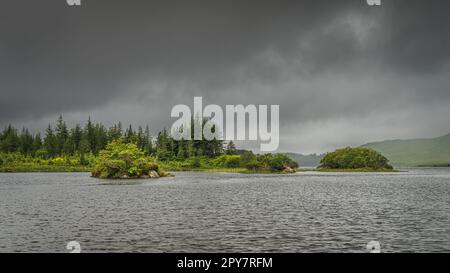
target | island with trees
x=355, y=160
x=115, y=152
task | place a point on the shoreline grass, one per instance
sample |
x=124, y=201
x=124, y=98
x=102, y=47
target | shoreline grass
x=76, y=169
x=44, y=169
x=360, y=170
x=33, y=168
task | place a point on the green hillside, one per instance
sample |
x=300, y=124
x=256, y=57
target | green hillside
x=311, y=160
x=415, y=152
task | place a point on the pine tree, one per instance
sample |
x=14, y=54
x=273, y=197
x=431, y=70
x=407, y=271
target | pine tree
x=163, y=148
x=115, y=132
x=130, y=136
x=10, y=140
x=192, y=150
x=26, y=142
x=140, y=138
x=101, y=137
x=61, y=135
x=85, y=148
x=50, y=142
x=182, y=153
x=75, y=135
x=231, y=148
x=89, y=132
x=37, y=144
x=148, y=149
x=119, y=129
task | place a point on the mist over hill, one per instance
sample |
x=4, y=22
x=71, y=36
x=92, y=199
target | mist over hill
x=426, y=152
x=415, y=152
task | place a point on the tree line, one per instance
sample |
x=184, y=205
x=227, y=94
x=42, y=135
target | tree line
x=60, y=140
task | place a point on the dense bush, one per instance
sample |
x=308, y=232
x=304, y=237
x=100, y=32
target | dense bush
x=195, y=162
x=124, y=160
x=267, y=162
x=227, y=161
x=247, y=160
x=355, y=158
x=16, y=162
x=275, y=162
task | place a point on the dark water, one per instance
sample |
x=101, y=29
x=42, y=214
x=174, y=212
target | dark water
x=200, y=212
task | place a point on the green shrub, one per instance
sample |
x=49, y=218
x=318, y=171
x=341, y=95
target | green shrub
x=355, y=158
x=195, y=162
x=16, y=162
x=267, y=162
x=279, y=162
x=123, y=160
x=227, y=161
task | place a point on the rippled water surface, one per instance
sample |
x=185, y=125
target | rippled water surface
x=202, y=212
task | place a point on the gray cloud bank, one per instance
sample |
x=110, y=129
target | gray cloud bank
x=342, y=72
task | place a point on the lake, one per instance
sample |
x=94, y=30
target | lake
x=223, y=212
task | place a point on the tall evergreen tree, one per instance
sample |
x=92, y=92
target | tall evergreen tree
x=10, y=140
x=115, y=132
x=50, y=142
x=148, y=147
x=37, y=144
x=85, y=148
x=89, y=132
x=231, y=148
x=26, y=142
x=130, y=136
x=182, y=150
x=76, y=134
x=140, y=137
x=101, y=137
x=163, y=148
x=61, y=135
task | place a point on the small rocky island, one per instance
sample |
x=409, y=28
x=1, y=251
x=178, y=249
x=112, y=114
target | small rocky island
x=125, y=161
x=355, y=159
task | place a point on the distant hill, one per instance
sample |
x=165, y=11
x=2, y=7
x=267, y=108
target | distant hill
x=415, y=152
x=306, y=160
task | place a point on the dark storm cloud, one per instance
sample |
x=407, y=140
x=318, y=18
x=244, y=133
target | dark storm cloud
x=133, y=60
x=80, y=57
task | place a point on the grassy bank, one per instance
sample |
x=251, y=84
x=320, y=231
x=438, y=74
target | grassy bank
x=248, y=163
x=14, y=162
x=440, y=165
x=43, y=169
x=360, y=170
x=23, y=168
x=228, y=170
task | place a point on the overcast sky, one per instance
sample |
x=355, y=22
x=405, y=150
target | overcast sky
x=343, y=73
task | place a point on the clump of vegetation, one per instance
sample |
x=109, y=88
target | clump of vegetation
x=125, y=160
x=16, y=162
x=245, y=162
x=268, y=162
x=355, y=158
x=227, y=161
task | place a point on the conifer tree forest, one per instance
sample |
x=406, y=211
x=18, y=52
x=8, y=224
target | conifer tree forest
x=60, y=140
x=60, y=147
